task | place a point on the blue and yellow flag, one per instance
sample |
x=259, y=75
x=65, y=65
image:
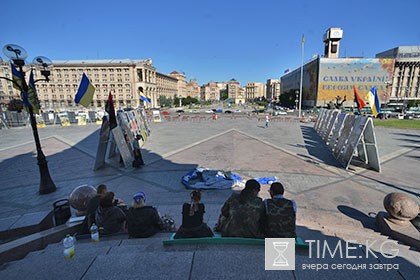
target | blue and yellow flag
x=25, y=100
x=373, y=100
x=144, y=97
x=85, y=92
x=18, y=79
x=32, y=96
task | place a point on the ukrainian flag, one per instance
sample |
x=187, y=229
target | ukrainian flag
x=85, y=92
x=144, y=97
x=18, y=80
x=32, y=95
x=374, y=101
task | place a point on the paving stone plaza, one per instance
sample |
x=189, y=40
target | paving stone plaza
x=333, y=204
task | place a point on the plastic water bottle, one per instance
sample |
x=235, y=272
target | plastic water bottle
x=94, y=233
x=68, y=247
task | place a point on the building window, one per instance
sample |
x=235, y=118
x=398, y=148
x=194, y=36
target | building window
x=333, y=48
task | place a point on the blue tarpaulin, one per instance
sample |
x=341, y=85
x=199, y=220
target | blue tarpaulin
x=200, y=178
x=266, y=180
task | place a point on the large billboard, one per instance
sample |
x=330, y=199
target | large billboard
x=338, y=76
x=291, y=82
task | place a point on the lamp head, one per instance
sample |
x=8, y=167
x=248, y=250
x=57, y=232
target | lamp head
x=15, y=53
x=43, y=64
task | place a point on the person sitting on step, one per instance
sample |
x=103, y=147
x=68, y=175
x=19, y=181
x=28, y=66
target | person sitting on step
x=91, y=206
x=242, y=214
x=192, y=219
x=109, y=218
x=280, y=220
x=142, y=221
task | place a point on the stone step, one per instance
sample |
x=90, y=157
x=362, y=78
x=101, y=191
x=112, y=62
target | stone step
x=86, y=248
x=147, y=258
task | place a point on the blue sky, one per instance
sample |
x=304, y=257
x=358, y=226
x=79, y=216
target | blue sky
x=208, y=40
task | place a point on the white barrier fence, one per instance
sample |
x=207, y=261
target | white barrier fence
x=349, y=137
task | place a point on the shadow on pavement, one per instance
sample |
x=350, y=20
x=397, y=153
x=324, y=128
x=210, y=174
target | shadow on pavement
x=316, y=147
x=71, y=165
x=366, y=220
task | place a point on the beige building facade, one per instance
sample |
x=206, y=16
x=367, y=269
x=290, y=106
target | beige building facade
x=234, y=91
x=123, y=78
x=7, y=92
x=405, y=83
x=193, y=89
x=182, y=83
x=272, y=89
x=210, y=92
x=166, y=85
x=254, y=90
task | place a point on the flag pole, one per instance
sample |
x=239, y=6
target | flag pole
x=301, y=77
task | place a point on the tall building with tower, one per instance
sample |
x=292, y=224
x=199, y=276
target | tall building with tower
x=331, y=40
x=395, y=73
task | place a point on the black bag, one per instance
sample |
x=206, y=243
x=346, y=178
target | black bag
x=138, y=159
x=136, y=163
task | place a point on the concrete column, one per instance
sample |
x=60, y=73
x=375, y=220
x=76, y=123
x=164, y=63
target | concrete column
x=405, y=81
x=395, y=82
x=155, y=97
x=413, y=80
x=400, y=82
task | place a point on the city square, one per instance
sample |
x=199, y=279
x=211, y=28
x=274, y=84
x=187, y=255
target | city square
x=209, y=140
x=333, y=204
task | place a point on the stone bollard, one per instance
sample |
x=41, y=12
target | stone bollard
x=79, y=198
x=401, y=208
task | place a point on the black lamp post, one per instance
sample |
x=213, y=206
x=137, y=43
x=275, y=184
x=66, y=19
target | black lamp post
x=18, y=55
x=388, y=84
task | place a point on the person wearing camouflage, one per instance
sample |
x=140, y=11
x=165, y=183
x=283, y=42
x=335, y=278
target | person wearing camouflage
x=242, y=213
x=280, y=220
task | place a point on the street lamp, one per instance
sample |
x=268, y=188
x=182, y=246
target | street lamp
x=18, y=55
x=387, y=83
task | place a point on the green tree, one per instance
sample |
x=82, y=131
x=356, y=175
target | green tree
x=224, y=94
x=165, y=101
x=262, y=103
x=288, y=99
x=413, y=103
x=189, y=100
x=176, y=100
x=15, y=105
